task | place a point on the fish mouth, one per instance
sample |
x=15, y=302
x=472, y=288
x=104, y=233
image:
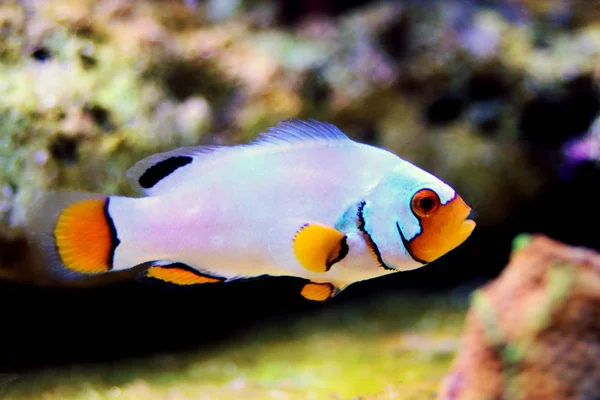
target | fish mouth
x=468, y=224
x=467, y=227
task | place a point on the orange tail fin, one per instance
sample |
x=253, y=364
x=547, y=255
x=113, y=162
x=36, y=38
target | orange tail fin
x=72, y=235
x=86, y=237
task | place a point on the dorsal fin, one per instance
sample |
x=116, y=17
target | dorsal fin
x=149, y=174
x=295, y=131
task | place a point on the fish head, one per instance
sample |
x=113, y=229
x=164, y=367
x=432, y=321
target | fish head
x=414, y=217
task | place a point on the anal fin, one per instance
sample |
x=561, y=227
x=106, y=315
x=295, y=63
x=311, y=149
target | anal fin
x=317, y=247
x=319, y=291
x=179, y=274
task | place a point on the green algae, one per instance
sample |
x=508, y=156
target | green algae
x=521, y=241
x=389, y=347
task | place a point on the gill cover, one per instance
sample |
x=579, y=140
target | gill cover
x=408, y=236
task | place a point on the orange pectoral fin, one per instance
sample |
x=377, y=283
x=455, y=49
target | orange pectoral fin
x=317, y=247
x=180, y=274
x=85, y=236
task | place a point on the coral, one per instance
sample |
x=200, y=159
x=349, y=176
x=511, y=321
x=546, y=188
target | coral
x=581, y=150
x=533, y=332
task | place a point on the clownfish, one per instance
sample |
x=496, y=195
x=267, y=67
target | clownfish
x=302, y=200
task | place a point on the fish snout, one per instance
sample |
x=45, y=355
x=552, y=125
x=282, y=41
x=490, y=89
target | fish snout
x=443, y=231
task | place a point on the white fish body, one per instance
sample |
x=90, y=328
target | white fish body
x=237, y=212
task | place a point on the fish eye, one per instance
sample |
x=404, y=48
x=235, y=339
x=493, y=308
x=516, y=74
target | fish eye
x=424, y=203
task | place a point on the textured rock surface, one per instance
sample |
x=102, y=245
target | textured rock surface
x=533, y=332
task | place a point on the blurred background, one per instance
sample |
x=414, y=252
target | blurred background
x=497, y=98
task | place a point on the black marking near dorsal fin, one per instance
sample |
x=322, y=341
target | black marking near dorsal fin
x=162, y=169
x=149, y=173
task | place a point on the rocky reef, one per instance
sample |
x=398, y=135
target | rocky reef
x=533, y=332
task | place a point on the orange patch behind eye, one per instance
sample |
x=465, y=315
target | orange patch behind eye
x=179, y=276
x=442, y=230
x=83, y=237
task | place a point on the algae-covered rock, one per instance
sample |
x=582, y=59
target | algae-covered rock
x=86, y=91
x=533, y=332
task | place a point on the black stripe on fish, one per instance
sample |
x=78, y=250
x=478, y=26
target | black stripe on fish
x=406, y=244
x=342, y=253
x=361, y=225
x=162, y=169
x=114, y=239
